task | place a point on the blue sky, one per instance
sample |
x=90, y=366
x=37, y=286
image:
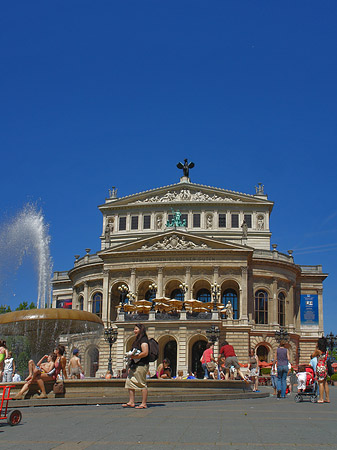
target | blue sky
x=101, y=94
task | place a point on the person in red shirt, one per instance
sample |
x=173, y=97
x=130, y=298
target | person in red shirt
x=227, y=351
x=207, y=357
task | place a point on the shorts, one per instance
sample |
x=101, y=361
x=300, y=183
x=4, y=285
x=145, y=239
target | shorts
x=232, y=361
x=75, y=371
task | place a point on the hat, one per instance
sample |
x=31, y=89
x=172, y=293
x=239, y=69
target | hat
x=75, y=351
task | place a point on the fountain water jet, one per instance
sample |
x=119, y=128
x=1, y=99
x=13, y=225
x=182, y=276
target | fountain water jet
x=27, y=234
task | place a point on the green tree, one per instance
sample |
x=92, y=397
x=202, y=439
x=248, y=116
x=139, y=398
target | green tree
x=24, y=306
x=5, y=309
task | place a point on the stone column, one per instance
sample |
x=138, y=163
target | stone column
x=215, y=274
x=120, y=349
x=320, y=310
x=86, y=297
x=244, y=294
x=290, y=309
x=105, y=298
x=160, y=282
x=133, y=281
x=273, y=311
x=75, y=304
x=188, y=294
x=182, y=363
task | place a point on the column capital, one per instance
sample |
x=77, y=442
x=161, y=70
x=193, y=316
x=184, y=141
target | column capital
x=244, y=270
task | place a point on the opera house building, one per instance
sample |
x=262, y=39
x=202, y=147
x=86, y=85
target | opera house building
x=181, y=259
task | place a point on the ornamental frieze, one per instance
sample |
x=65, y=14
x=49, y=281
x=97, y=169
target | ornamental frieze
x=186, y=195
x=174, y=242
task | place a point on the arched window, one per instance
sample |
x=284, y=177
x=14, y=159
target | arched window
x=97, y=304
x=150, y=295
x=80, y=303
x=261, y=307
x=177, y=294
x=203, y=295
x=281, y=309
x=230, y=295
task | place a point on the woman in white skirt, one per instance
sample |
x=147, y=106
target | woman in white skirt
x=253, y=367
x=138, y=369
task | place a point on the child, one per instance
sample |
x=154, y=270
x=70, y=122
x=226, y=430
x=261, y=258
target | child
x=9, y=368
x=74, y=367
x=301, y=379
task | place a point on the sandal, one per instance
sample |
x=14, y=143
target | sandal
x=141, y=407
x=127, y=405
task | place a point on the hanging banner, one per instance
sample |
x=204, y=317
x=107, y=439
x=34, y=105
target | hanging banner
x=309, y=309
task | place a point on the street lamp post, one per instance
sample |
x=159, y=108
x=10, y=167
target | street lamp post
x=183, y=288
x=131, y=296
x=153, y=291
x=216, y=294
x=213, y=334
x=282, y=335
x=124, y=291
x=110, y=335
x=331, y=340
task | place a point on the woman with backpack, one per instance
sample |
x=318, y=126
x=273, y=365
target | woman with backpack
x=322, y=371
x=138, y=369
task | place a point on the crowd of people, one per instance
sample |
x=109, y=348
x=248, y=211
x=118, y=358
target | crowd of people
x=224, y=366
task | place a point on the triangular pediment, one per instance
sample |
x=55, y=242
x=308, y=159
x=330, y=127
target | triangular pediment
x=175, y=240
x=185, y=192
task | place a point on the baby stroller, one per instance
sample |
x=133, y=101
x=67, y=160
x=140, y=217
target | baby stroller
x=310, y=390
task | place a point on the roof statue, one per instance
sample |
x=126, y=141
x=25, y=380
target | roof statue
x=176, y=220
x=186, y=167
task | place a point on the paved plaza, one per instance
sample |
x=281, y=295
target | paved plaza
x=265, y=423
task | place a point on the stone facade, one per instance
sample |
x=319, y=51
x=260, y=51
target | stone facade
x=139, y=248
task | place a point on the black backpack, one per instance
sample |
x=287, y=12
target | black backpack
x=329, y=367
x=153, y=350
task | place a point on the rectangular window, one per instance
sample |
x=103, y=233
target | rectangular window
x=146, y=222
x=248, y=220
x=235, y=220
x=184, y=217
x=134, y=222
x=196, y=220
x=222, y=220
x=122, y=223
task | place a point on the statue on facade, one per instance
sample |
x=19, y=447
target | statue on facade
x=209, y=221
x=185, y=167
x=260, y=222
x=229, y=310
x=244, y=227
x=176, y=220
x=159, y=220
x=109, y=229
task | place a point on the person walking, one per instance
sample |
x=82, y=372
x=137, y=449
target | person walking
x=139, y=367
x=273, y=376
x=282, y=361
x=322, y=371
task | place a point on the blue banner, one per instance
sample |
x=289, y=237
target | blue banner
x=309, y=309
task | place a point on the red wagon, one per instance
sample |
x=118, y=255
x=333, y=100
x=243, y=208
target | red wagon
x=13, y=417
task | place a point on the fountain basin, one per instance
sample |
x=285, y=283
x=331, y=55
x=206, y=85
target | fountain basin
x=43, y=327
